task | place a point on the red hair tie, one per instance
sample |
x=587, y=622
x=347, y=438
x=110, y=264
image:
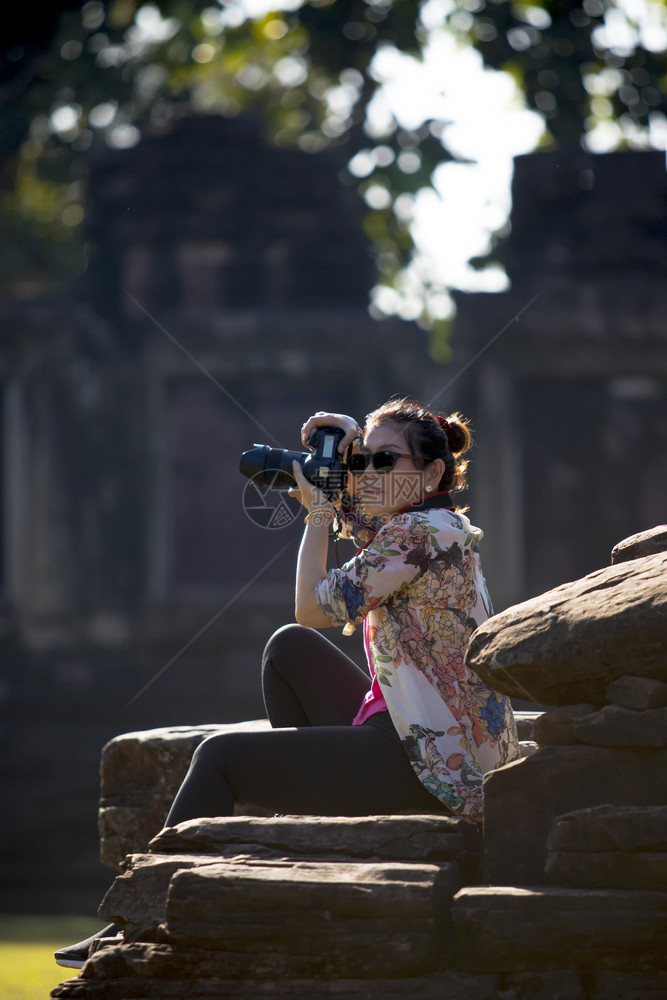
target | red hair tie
x=450, y=433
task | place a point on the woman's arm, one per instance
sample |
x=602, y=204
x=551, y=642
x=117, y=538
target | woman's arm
x=312, y=562
x=400, y=552
x=311, y=568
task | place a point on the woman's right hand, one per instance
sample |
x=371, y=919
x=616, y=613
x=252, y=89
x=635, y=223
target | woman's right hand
x=324, y=419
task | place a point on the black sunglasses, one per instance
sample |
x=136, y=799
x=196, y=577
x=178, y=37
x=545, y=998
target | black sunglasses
x=382, y=461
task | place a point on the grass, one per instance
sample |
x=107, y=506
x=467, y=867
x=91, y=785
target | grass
x=27, y=968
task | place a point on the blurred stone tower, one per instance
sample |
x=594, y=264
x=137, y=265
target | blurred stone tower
x=571, y=399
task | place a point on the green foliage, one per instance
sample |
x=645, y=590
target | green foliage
x=118, y=65
x=440, y=347
x=579, y=62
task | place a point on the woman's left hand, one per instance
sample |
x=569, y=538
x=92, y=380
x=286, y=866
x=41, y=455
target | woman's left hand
x=322, y=418
x=307, y=494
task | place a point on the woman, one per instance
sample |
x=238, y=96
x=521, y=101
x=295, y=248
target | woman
x=424, y=732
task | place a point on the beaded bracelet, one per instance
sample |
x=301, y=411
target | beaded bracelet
x=320, y=515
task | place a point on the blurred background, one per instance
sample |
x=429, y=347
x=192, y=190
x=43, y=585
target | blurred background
x=219, y=218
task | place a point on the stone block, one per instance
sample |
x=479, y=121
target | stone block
x=637, y=692
x=140, y=774
x=522, y=799
x=561, y=985
x=137, y=899
x=610, y=847
x=611, y=828
x=568, y=645
x=314, y=919
x=645, y=543
x=511, y=929
x=609, y=726
x=159, y=972
x=609, y=870
x=629, y=986
x=556, y=727
x=395, y=838
x=614, y=726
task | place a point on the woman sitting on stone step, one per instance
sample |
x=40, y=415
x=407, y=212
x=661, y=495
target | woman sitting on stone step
x=421, y=731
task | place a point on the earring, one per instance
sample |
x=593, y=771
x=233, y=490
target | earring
x=429, y=489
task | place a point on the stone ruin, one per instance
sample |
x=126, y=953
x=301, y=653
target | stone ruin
x=227, y=286
x=253, y=259
x=561, y=896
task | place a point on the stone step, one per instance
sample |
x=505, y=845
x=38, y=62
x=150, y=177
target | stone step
x=156, y=972
x=413, y=837
x=512, y=929
x=137, y=898
x=315, y=918
x=278, y=919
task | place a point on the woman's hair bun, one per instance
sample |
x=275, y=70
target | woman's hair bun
x=456, y=429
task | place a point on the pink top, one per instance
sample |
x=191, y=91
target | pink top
x=374, y=700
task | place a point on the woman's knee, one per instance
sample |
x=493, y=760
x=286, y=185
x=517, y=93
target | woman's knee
x=290, y=633
x=212, y=751
x=288, y=639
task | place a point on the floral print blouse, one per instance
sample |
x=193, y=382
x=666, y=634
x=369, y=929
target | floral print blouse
x=419, y=584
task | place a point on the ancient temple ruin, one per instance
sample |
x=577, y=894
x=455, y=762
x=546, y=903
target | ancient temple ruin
x=226, y=299
x=569, y=385
x=229, y=279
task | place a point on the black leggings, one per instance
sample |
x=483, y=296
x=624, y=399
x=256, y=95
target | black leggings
x=321, y=764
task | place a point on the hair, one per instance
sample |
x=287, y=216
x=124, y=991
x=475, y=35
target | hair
x=429, y=435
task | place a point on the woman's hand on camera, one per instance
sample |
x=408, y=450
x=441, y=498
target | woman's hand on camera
x=324, y=419
x=311, y=497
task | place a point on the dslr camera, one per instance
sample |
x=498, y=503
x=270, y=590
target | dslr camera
x=323, y=466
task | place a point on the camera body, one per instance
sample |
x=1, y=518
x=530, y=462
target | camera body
x=323, y=466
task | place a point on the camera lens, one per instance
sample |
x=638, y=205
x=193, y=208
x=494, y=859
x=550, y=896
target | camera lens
x=268, y=466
